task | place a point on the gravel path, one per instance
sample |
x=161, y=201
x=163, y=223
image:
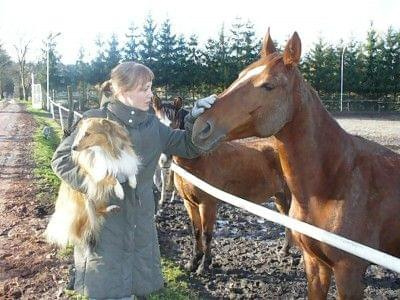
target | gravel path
x=29, y=268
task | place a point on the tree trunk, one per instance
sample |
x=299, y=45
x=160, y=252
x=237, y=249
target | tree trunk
x=23, y=81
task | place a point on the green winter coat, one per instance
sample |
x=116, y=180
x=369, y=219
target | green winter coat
x=126, y=260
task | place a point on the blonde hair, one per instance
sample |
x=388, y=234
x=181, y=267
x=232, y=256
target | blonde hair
x=126, y=76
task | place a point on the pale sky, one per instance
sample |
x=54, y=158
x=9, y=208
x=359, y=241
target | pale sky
x=80, y=21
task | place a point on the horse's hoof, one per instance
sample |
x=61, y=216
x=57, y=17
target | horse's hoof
x=202, y=269
x=159, y=212
x=191, y=266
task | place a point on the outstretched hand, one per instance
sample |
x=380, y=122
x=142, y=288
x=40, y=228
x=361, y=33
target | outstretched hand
x=202, y=104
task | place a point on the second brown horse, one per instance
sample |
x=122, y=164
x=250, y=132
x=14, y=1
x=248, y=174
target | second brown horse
x=248, y=168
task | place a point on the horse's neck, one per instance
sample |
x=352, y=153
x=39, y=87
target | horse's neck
x=313, y=149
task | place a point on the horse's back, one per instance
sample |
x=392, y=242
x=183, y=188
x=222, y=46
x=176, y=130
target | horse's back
x=376, y=174
x=243, y=168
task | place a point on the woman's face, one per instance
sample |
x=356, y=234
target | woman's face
x=139, y=98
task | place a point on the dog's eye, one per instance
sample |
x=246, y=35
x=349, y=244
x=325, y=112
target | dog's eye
x=267, y=86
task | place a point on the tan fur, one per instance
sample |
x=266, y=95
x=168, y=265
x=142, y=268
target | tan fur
x=101, y=146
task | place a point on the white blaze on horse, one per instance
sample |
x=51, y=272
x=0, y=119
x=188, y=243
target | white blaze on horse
x=339, y=182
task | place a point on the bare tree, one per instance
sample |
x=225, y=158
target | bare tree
x=22, y=49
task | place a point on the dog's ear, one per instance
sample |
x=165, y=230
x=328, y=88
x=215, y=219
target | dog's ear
x=106, y=124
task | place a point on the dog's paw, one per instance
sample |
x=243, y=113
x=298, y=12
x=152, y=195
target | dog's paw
x=119, y=191
x=113, y=208
x=132, y=181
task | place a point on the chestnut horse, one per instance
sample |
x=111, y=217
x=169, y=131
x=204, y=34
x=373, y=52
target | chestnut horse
x=339, y=182
x=249, y=169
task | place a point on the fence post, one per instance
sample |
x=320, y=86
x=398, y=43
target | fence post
x=70, y=108
x=61, y=118
x=52, y=110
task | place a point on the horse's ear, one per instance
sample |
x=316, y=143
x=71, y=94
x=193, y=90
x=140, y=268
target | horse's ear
x=268, y=46
x=292, y=53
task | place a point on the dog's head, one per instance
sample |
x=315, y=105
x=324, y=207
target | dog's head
x=103, y=133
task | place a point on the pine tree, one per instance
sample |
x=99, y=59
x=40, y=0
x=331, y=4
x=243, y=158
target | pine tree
x=131, y=49
x=244, y=47
x=252, y=46
x=371, y=64
x=167, y=45
x=98, y=66
x=352, y=70
x=196, y=69
x=220, y=69
x=113, y=55
x=181, y=71
x=391, y=63
x=313, y=65
x=148, y=45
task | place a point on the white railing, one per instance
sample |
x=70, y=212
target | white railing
x=60, y=112
x=365, y=252
x=380, y=258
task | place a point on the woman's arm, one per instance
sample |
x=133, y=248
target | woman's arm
x=63, y=165
x=179, y=142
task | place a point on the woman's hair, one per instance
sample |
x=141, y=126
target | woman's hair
x=126, y=76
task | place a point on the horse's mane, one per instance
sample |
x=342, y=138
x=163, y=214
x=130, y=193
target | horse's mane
x=169, y=110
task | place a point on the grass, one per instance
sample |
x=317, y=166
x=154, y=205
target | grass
x=177, y=283
x=177, y=286
x=45, y=179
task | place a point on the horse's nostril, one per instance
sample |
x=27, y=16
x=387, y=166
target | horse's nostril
x=206, y=131
x=74, y=148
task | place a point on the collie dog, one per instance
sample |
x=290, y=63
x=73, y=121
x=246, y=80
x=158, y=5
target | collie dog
x=102, y=150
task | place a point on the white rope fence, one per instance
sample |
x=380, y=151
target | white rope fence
x=380, y=258
x=365, y=252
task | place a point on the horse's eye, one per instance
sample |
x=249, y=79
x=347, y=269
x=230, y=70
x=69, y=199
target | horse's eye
x=267, y=86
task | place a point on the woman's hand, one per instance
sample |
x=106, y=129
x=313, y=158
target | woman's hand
x=201, y=105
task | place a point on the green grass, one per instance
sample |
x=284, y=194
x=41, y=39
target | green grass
x=46, y=181
x=177, y=283
x=176, y=279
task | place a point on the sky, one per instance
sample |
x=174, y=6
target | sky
x=80, y=22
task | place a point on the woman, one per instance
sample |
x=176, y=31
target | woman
x=126, y=260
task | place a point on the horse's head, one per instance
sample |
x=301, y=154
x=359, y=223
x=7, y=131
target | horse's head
x=170, y=114
x=258, y=103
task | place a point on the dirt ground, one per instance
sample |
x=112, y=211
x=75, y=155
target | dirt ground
x=245, y=266
x=29, y=268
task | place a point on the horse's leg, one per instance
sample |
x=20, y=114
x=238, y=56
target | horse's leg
x=318, y=277
x=173, y=197
x=348, y=276
x=171, y=186
x=208, y=214
x=164, y=182
x=282, y=204
x=193, y=212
